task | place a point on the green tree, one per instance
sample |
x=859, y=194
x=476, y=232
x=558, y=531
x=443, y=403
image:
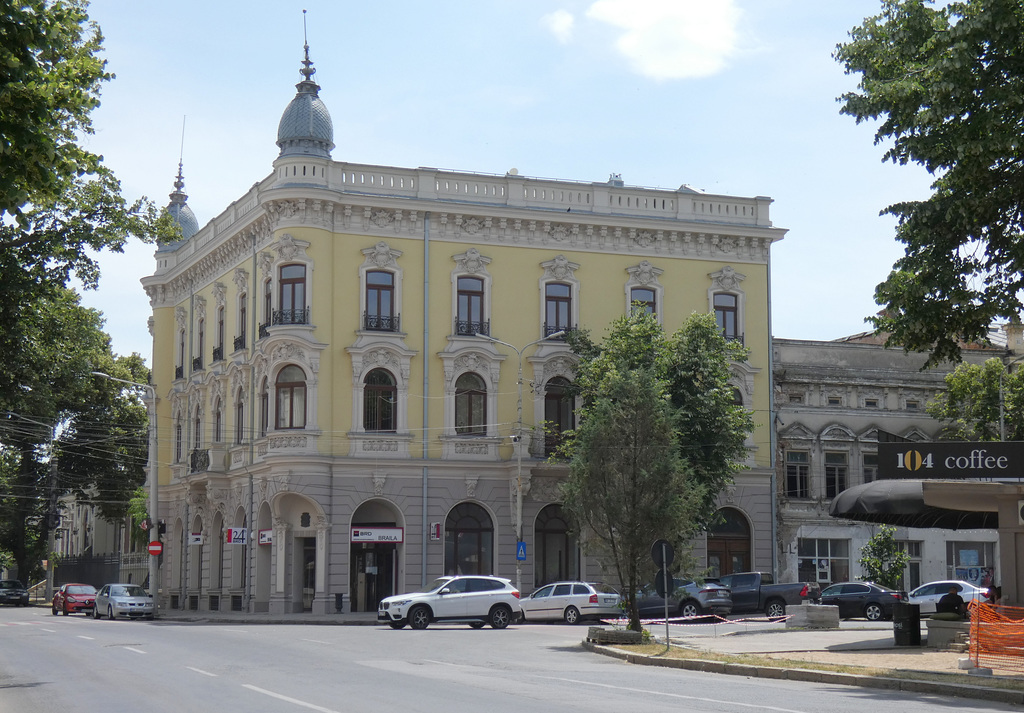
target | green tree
x=947, y=84
x=969, y=407
x=666, y=482
x=64, y=431
x=882, y=559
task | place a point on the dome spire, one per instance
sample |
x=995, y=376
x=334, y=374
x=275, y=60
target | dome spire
x=178, y=208
x=306, y=127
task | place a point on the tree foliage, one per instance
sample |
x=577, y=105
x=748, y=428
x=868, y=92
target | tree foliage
x=947, y=85
x=65, y=432
x=659, y=436
x=882, y=559
x=969, y=407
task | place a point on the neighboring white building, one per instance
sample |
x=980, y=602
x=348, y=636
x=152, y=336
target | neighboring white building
x=832, y=399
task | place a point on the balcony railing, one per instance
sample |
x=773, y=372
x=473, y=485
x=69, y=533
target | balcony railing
x=733, y=338
x=263, y=333
x=381, y=322
x=239, y=342
x=197, y=363
x=291, y=316
x=467, y=328
x=179, y=372
x=218, y=354
x=199, y=460
x=550, y=329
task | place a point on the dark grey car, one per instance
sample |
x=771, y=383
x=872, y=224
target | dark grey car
x=13, y=592
x=688, y=599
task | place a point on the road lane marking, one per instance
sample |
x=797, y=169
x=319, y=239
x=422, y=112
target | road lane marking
x=199, y=670
x=315, y=641
x=679, y=695
x=288, y=699
x=138, y=651
x=52, y=631
x=89, y=638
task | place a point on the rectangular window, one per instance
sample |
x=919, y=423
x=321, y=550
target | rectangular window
x=913, y=405
x=835, y=474
x=643, y=298
x=380, y=302
x=469, y=319
x=796, y=399
x=912, y=574
x=293, y=296
x=870, y=467
x=823, y=561
x=557, y=308
x=726, y=314
x=870, y=403
x=798, y=474
x=970, y=561
x=835, y=400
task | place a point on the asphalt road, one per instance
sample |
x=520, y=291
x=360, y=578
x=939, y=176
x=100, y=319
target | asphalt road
x=73, y=663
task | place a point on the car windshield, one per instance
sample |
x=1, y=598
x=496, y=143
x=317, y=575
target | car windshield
x=437, y=584
x=129, y=591
x=10, y=584
x=81, y=589
x=604, y=588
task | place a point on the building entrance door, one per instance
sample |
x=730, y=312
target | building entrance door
x=373, y=574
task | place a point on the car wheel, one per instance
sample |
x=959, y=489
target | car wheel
x=571, y=615
x=476, y=625
x=65, y=612
x=396, y=624
x=419, y=617
x=872, y=612
x=96, y=613
x=501, y=616
x=110, y=613
x=775, y=609
x=54, y=610
x=690, y=608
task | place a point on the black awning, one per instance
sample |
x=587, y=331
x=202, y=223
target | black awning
x=901, y=503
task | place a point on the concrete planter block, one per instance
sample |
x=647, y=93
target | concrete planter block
x=812, y=616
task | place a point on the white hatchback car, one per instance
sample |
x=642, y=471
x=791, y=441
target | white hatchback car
x=928, y=595
x=572, y=602
x=477, y=600
x=126, y=600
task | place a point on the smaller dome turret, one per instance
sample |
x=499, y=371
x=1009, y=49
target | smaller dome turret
x=179, y=210
x=306, y=128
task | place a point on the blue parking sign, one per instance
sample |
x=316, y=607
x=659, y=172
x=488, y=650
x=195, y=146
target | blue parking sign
x=520, y=551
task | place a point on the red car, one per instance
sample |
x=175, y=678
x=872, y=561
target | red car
x=72, y=598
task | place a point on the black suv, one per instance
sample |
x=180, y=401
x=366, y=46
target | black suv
x=13, y=592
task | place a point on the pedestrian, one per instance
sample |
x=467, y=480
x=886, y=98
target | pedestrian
x=951, y=607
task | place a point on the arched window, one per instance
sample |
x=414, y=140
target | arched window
x=218, y=348
x=218, y=421
x=557, y=551
x=239, y=418
x=178, y=439
x=291, y=398
x=470, y=405
x=468, y=540
x=242, y=322
x=197, y=430
x=197, y=361
x=379, y=398
x=729, y=543
x=264, y=408
x=559, y=414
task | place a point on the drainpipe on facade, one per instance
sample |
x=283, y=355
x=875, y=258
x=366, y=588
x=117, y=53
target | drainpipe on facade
x=251, y=524
x=426, y=390
x=772, y=427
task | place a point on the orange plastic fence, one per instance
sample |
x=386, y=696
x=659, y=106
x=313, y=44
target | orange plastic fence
x=997, y=637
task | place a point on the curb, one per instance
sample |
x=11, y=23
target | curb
x=958, y=690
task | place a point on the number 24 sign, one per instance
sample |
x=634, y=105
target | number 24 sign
x=236, y=536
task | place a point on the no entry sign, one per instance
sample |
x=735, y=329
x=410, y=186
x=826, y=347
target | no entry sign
x=155, y=548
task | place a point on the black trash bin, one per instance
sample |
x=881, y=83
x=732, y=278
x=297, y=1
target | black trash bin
x=906, y=624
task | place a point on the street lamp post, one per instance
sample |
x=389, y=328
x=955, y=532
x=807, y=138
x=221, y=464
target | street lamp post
x=517, y=442
x=154, y=487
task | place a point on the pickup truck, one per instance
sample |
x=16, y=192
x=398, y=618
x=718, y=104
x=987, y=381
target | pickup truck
x=756, y=591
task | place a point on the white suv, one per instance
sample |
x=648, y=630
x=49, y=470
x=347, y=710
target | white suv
x=478, y=600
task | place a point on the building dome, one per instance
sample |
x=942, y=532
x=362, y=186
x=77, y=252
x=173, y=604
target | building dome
x=179, y=210
x=306, y=128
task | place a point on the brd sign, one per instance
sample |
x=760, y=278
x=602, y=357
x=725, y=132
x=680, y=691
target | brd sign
x=951, y=460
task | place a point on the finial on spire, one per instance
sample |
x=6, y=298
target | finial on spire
x=307, y=70
x=179, y=182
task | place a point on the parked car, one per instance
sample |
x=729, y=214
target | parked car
x=75, y=597
x=687, y=599
x=861, y=599
x=13, y=592
x=928, y=595
x=571, y=602
x=127, y=600
x=477, y=600
x=758, y=592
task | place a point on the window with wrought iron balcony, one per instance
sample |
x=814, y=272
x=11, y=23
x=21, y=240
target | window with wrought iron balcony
x=381, y=322
x=197, y=363
x=199, y=460
x=469, y=328
x=290, y=316
x=551, y=331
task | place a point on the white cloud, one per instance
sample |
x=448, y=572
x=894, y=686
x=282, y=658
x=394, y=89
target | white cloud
x=672, y=39
x=560, y=24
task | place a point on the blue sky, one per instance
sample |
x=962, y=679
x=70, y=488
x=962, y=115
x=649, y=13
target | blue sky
x=736, y=97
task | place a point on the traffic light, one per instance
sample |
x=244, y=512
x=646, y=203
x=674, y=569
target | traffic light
x=161, y=527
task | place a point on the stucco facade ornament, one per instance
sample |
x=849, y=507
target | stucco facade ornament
x=380, y=217
x=643, y=238
x=180, y=317
x=265, y=262
x=560, y=268
x=379, y=478
x=726, y=279
x=469, y=226
x=219, y=294
x=381, y=255
x=471, y=486
x=200, y=305
x=644, y=273
x=151, y=326
x=288, y=248
x=471, y=262
x=241, y=279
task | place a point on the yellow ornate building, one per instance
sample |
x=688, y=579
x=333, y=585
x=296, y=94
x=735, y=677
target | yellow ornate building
x=337, y=354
